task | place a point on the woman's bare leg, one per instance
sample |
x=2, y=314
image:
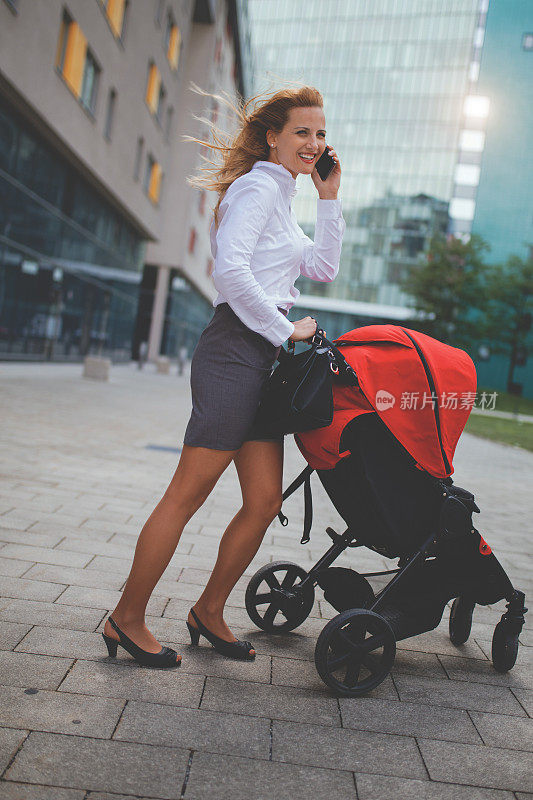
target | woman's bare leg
x=198, y=471
x=260, y=470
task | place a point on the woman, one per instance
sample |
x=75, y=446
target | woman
x=259, y=251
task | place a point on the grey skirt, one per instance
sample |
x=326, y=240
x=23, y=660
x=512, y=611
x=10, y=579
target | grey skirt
x=229, y=368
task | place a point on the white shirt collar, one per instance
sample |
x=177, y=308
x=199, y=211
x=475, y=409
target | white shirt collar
x=281, y=174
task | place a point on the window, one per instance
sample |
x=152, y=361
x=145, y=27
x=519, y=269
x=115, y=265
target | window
x=192, y=240
x=147, y=173
x=76, y=63
x=111, y=100
x=138, y=158
x=168, y=124
x=71, y=52
x=152, y=87
x=62, y=41
x=159, y=5
x=527, y=41
x=152, y=179
x=172, y=42
x=160, y=103
x=116, y=11
x=89, y=86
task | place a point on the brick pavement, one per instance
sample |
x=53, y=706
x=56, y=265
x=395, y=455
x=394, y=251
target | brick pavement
x=78, y=478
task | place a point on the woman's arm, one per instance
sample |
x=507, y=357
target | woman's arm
x=246, y=213
x=321, y=257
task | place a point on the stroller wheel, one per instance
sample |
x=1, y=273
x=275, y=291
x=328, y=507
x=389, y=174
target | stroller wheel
x=460, y=623
x=274, y=601
x=504, y=647
x=355, y=652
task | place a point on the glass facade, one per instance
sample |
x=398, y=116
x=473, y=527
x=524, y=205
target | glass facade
x=69, y=262
x=504, y=199
x=393, y=74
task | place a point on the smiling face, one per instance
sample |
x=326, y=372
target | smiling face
x=301, y=141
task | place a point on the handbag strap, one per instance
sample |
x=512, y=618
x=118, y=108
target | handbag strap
x=339, y=365
x=305, y=478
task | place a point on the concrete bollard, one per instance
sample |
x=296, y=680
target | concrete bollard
x=96, y=368
x=163, y=365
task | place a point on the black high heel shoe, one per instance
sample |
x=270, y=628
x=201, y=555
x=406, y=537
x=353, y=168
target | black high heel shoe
x=165, y=658
x=236, y=649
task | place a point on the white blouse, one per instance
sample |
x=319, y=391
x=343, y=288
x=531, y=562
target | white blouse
x=260, y=250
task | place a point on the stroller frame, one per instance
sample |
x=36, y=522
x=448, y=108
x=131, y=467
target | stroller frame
x=344, y=638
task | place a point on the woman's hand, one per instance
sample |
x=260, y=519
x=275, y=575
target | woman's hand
x=303, y=329
x=327, y=190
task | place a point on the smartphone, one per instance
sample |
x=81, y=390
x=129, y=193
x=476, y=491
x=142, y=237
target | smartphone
x=325, y=164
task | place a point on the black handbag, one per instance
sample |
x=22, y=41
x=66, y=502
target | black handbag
x=299, y=393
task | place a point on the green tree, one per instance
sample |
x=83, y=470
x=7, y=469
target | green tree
x=448, y=287
x=509, y=310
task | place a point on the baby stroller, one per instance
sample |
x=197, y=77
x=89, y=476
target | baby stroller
x=385, y=462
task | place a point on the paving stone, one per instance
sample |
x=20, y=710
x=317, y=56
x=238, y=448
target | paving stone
x=471, y=669
x=206, y=661
x=30, y=536
x=45, y=555
x=18, y=520
x=498, y=730
x=59, y=712
x=101, y=765
x=85, y=546
x=106, y=599
x=346, y=749
x=133, y=682
x=10, y=739
x=525, y=697
x=25, y=589
x=63, y=642
x=107, y=796
x=27, y=669
x=14, y=567
x=383, y=787
x=233, y=615
x=477, y=765
x=408, y=719
x=411, y=662
x=234, y=778
x=458, y=694
x=525, y=654
x=72, y=575
x=119, y=567
x=67, y=531
x=11, y=633
x=77, y=644
x=24, y=791
x=214, y=732
x=277, y=702
x=439, y=642
x=297, y=672
x=54, y=614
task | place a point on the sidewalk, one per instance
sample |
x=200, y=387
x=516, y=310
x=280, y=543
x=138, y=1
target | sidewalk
x=82, y=465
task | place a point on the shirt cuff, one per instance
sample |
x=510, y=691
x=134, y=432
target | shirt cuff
x=330, y=208
x=280, y=330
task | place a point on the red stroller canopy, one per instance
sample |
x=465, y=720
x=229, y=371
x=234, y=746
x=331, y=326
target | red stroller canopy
x=422, y=389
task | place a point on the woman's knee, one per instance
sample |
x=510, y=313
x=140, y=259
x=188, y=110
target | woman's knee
x=188, y=499
x=266, y=507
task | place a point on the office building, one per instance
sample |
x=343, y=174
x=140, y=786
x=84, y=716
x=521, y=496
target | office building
x=103, y=244
x=395, y=76
x=501, y=204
